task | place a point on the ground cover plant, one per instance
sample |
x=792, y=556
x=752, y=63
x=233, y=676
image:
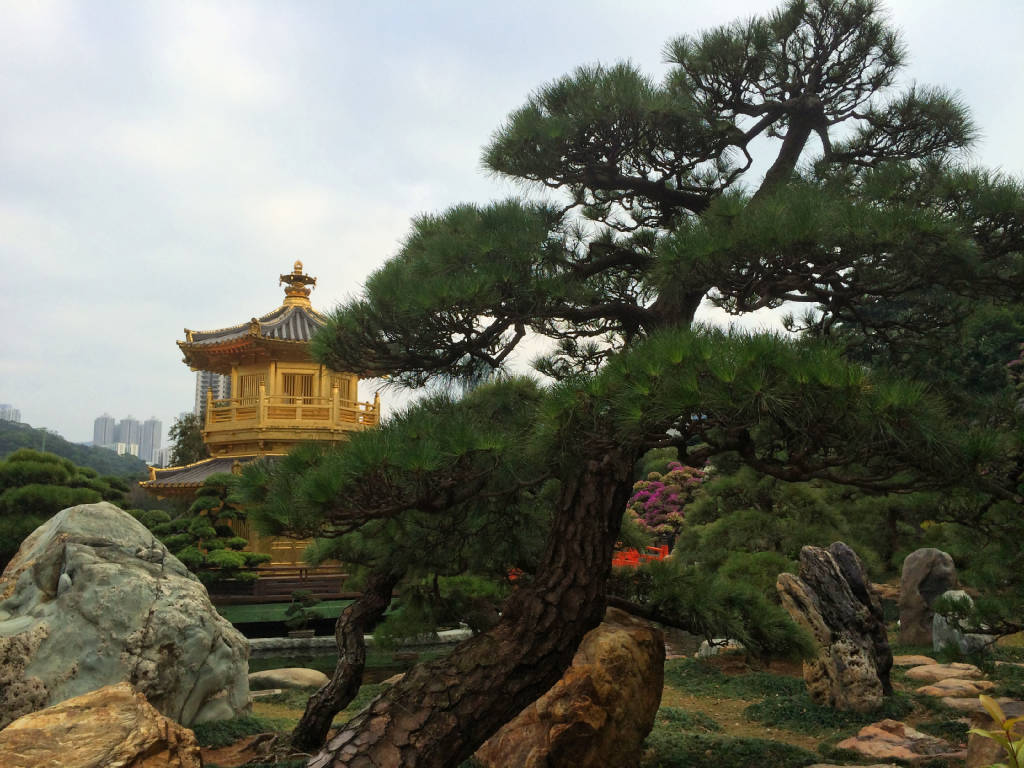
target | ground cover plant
x=863, y=214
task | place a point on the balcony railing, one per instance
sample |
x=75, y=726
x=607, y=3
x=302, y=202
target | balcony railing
x=265, y=410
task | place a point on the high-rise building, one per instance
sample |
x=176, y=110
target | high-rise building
x=218, y=382
x=152, y=434
x=9, y=413
x=129, y=432
x=163, y=457
x=103, y=431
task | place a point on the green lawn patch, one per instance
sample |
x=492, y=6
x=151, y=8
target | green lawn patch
x=797, y=712
x=699, y=678
x=684, y=720
x=222, y=733
x=668, y=749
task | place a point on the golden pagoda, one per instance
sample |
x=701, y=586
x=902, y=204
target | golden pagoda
x=280, y=396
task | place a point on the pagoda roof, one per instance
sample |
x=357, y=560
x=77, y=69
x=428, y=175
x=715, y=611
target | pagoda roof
x=286, y=323
x=285, y=331
x=190, y=476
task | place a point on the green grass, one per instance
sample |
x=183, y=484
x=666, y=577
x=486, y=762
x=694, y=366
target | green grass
x=245, y=614
x=684, y=720
x=668, y=749
x=296, y=698
x=698, y=678
x=1009, y=681
x=954, y=731
x=222, y=733
x=797, y=712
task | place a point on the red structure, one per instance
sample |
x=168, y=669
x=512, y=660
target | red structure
x=631, y=558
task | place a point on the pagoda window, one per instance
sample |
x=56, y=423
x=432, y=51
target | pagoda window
x=249, y=387
x=298, y=386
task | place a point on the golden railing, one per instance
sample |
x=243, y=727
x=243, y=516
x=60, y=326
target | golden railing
x=265, y=410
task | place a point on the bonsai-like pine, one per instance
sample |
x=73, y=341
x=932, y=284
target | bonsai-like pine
x=301, y=610
x=202, y=537
x=862, y=215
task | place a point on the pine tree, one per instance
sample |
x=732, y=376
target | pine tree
x=863, y=205
x=187, y=445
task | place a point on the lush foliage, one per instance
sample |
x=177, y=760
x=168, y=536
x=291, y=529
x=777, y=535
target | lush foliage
x=202, y=537
x=14, y=436
x=657, y=502
x=186, y=435
x=34, y=486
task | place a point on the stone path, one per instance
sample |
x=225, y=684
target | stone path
x=958, y=685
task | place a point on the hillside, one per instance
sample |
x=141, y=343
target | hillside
x=14, y=436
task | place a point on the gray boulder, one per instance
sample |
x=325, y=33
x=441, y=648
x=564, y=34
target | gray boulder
x=947, y=631
x=832, y=599
x=93, y=598
x=927, y=573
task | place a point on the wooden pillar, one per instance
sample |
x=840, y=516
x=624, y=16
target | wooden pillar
x=261, y=405
x=335, y=405
x=209, y=408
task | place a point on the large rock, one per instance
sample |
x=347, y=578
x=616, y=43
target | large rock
x=113, y=727
x=287, y=677
x=948, y=630
x=927, y=573
x=831, y=598
x=599, y=713
x=93, y=598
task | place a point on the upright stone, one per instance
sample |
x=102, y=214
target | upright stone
x=831, y=598
x=948, y=631
x=92, y=599
x=927, y=573
x=599, y=713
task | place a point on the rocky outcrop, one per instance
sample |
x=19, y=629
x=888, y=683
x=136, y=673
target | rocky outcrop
x=93, y=598
x=831, y=598
x=927, y=573
x=113, y=727
x=601, y=710
x=287, y=677
x=893, y=740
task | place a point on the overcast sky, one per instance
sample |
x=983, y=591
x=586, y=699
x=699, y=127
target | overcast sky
x=161, y=163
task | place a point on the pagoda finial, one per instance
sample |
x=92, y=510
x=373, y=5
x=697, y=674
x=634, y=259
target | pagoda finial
x=297, y=286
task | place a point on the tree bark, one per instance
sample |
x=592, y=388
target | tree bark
x=440, y=712
x=353, y=623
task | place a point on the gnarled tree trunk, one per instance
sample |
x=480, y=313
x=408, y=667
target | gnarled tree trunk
x=311, y=731
x=440, y=712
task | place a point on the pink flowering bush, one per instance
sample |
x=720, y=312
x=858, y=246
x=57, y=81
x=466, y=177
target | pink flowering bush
x=657, y=502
